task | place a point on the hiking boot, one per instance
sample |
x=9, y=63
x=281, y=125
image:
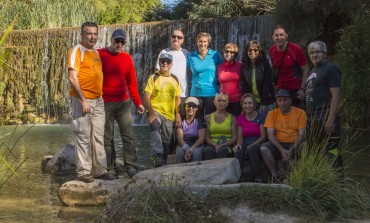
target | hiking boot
x=106, y=176
x=114, y=173
x=87, y=178
x=131, y=171
x=158, y=160
x=257, y=180
x=276, y=180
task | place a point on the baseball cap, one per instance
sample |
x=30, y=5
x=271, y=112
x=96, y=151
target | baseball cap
x=119, y=33
x=165, y=56
x=192, y=100
x=282, y=93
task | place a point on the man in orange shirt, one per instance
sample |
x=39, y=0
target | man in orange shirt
x=88, y=117
x=286, y=127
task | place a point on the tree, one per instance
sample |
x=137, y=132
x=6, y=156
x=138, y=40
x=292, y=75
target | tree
x=355, y=66
x=316, y=19
x=126, y=11
x=232, y=8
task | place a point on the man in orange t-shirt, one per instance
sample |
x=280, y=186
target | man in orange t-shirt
x=286, y=126
x=88, y=117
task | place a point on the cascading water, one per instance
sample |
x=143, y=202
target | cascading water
x=38, y=57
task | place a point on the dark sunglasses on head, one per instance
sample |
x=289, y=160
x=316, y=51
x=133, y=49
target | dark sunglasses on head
x=123, y=41
x=178, y=37
x=254, y=50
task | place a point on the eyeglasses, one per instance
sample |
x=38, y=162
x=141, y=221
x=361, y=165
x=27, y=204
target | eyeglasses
x=165, y=61
x=254, y=50
x=315, y=52
x=178, y=37
x=229, y=51
x=122, y=41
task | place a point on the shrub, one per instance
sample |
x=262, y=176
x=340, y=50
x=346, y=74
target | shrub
x=355, y=66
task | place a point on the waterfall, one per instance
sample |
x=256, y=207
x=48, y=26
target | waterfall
x=36, y=59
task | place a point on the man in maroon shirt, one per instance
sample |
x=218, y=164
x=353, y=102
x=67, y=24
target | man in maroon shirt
x=119, y=80
x=290, y=65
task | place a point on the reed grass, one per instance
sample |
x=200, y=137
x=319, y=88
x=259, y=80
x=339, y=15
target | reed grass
x=38, y=14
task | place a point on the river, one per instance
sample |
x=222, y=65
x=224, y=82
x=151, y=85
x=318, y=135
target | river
x=32, y=197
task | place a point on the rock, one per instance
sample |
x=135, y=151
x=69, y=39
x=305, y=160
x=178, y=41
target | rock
x=44, y=162
x=243, y=213
x=204, y=190
x=94, y=193
x=208, y=172
x=63, y=162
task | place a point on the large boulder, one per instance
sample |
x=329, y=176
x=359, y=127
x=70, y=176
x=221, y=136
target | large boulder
x=208, y=172
x=63, y=162
x=94, y=193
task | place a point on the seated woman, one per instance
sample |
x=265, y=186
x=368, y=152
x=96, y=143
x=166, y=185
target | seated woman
x=191, y=133
x=251, y=134
x=221, y=130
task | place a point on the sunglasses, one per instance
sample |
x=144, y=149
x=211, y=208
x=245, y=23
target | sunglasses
x=254, y=50
x=191, y=105
x=230, y=51
x=178, y=37
x=123, y=41
x=165, y=61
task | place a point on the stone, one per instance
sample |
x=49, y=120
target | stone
x=95, y=193
x=208, y=172
x=64, y=161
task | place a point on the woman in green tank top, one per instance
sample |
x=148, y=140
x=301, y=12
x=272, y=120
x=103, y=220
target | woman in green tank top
x=221, y=133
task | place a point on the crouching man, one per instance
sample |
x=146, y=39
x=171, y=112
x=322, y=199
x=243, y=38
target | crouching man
x=286, y=126
x=162, y=100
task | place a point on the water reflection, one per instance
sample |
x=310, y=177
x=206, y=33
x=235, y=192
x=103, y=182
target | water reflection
x=32, y=196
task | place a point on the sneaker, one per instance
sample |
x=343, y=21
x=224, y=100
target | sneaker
x=131, y=171
x=105, y=176
x=87, y=178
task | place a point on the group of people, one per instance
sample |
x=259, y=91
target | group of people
x=215, y=106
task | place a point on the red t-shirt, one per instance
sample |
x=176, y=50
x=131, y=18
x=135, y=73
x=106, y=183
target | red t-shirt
x=229, y=77
x=290, y=75
x=119, y=77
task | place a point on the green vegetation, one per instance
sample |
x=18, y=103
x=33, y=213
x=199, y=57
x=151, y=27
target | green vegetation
x=318, y=193
x=10, y=161
x=355, y=66
x=40, y=14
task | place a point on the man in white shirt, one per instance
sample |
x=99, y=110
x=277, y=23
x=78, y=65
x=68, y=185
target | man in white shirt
x=179, y=63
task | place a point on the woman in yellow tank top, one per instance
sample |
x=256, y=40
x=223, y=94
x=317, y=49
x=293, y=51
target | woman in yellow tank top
x=221, y=133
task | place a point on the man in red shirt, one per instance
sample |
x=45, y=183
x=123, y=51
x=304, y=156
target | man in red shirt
x=290, y=65
x=118, y=84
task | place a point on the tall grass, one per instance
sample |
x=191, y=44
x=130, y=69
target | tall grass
x=323, y=187
x=38, y=14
